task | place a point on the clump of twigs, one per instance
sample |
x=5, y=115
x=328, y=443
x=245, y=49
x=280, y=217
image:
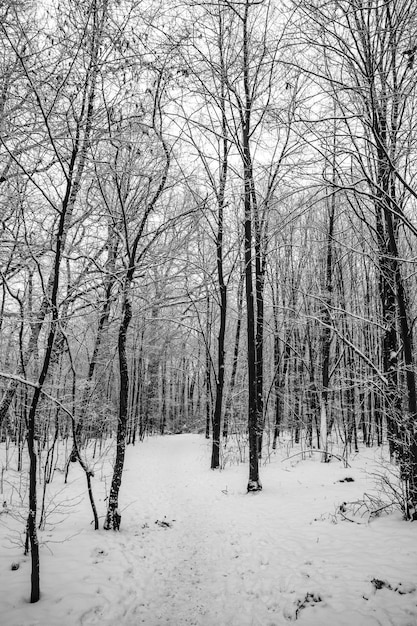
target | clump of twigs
x=234, y=450
x=392, y=488
x=390, y=495
x=364, y=510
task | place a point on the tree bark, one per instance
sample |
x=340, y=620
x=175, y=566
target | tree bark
x=254, y=483
x=217, y=415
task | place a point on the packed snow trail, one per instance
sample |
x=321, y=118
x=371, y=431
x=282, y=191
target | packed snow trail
x=195, y=549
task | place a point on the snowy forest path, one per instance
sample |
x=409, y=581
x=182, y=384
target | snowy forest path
x=201, y=551
x=191, y=535
x=191, y=550
x=195, y=549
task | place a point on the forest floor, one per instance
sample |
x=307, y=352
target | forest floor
x=195, y=548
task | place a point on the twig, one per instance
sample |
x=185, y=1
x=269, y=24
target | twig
x=339, y=458
x=353, y=521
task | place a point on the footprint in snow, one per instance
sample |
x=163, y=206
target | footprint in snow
x=98, y=555
x=292, y=610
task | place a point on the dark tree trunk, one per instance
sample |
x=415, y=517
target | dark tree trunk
x=215, y=457
x=31, y=521
x=326, y=338
x=254, y=483
x=229, y=400
x=217, y=415
x=208, y=371
x=280, y=379
x=408, y=434
x=31, y=427
x=259, y=337
x=113, y=517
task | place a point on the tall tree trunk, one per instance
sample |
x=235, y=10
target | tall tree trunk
x=254, y=483
x=408, y=453
x=260, y=264
x=208, y=403
x=31, y=425
x=280, y=376
x=326, y=337
x=229, y=400
x=217, y=415
x=113, y=517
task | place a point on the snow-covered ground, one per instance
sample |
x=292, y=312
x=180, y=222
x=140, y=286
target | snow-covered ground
x=194, y=548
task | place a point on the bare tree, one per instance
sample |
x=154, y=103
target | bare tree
x=371, y=44
x=135, y=205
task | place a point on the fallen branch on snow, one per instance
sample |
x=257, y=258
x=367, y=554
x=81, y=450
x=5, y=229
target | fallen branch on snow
x=336, y=456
